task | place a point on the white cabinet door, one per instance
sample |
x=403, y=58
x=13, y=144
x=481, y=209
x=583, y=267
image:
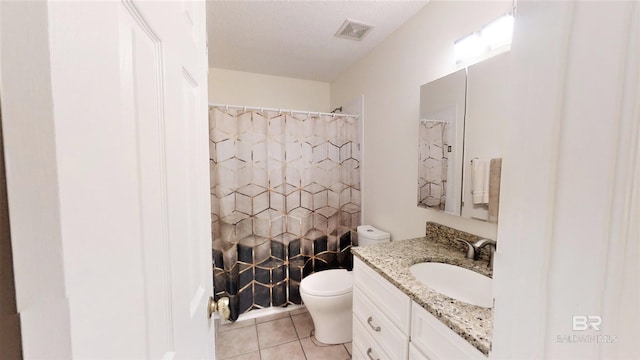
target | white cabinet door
x=436, y=341
x=416, y=354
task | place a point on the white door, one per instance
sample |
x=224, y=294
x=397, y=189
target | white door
x=107, y=172
x=164, y=66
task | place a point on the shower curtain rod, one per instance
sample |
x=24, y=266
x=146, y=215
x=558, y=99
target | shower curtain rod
x=434, y=120
x=245, y=108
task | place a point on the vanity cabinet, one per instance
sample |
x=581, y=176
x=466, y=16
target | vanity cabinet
x=388, y=325
x=381, y=316
x=415, y=353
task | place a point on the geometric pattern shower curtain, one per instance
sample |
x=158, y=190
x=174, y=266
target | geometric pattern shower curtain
x=285, y=200
x=433, y=159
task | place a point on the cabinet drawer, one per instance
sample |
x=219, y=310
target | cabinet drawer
x=379, y=327
x=393, y=302
x=364, y=347
x=437, y=341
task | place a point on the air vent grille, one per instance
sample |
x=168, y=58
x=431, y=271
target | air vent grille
x=353, y=30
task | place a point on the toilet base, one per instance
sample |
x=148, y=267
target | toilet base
x=332, y=317
x=330, y=336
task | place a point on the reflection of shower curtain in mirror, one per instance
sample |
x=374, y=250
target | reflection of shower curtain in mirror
x=285, y=197
x=433, y=164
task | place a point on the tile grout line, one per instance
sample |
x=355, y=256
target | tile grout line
x=255, y=325
x=298, y=339
x=304, y=353
x=296, y=330
x=348, y=353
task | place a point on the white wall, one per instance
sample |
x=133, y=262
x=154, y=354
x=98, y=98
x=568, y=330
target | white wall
x=30, y=153
x=251, y=89
x=390, y=78
x=570, y=199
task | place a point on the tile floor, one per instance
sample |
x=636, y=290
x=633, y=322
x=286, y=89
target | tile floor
x=281, y=336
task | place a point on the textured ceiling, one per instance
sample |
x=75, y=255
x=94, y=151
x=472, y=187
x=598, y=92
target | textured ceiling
x=296, y=38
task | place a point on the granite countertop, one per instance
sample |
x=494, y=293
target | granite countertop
x=392, y=261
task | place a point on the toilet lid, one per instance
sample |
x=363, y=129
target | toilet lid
x=372, y=233
x=328, y=283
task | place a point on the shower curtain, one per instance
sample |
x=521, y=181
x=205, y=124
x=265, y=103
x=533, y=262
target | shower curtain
x=285, y=200
x=433, y=164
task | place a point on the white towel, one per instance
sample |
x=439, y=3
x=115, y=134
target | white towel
x=495, y=172
x=480, y=180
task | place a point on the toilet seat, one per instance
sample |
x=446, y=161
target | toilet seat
x=328, y=283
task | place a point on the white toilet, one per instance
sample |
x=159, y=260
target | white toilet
x=328, y=295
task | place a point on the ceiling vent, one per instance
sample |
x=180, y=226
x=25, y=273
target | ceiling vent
x=353, y=30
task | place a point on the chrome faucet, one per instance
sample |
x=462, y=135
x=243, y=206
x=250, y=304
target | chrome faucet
x=473, y=249
x=482, y=243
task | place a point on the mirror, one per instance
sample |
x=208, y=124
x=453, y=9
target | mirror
x=441, y=132
x=462, y=116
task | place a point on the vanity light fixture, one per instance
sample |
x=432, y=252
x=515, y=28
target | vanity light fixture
x=469, y=47
x=498, y=33
x=492, y=39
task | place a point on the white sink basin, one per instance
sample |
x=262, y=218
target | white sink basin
x=455, y=282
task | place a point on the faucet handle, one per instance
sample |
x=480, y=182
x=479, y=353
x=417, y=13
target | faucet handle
x=471, y=250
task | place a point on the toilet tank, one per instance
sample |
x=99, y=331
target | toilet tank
x=368, y=235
